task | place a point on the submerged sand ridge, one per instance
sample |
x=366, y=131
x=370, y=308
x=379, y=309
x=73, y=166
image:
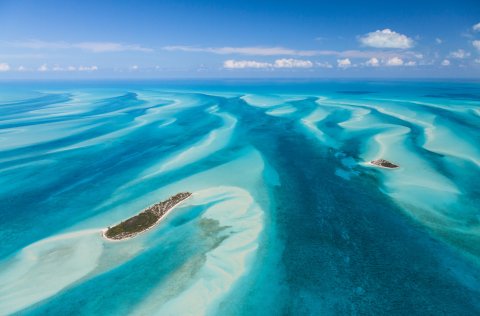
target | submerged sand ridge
x=144, y=220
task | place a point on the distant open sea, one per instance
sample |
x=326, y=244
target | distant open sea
x=287, y=215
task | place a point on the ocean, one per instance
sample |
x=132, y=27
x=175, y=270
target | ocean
x=287, y=215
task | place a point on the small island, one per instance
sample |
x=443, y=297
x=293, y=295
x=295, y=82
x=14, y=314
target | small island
x=384, y=164
x=144, y=220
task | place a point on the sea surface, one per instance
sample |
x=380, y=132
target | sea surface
x=287, y=217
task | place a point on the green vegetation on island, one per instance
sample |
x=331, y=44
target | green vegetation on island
x=144, y=220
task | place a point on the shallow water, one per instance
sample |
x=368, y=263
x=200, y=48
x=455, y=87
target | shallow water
x=287, y=216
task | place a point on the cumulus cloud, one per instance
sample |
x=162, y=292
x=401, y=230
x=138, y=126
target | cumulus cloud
x=57, y=68
x=94, y=47
x=438, y=40
x=43, y=68
x=324, y=65
x=459, y=54
x=21, y=68
x=391, y=61
x=259, y=51
x=373, y=62
x=445, y=62
x=476, y=44
x=4, y=67
x=386, y=39
x=241, y=64
x=394, y=61
x=87, y=68
x=344, y=63
x=292, y=63
x=476, y=27
x=279, y=63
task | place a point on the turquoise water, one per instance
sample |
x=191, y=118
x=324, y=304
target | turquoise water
x=287, y=216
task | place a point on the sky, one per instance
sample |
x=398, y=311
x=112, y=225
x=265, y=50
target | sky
x=239, y=39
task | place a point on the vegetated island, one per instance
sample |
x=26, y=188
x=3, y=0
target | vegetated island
x=384, y=164
x=144, y=220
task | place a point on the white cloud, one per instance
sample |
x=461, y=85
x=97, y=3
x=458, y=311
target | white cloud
x=58, y=68
x=391, y=61
x=459, y=54
x=324, y=65
x=43, y=68
x=95, y=47
x=279, y=63
x=102, y=47
x=87, y=68
x=37, y=44
x=386, y=39
x=4, y=67
x=259, y=51
x=21, y=68
x=394, y=61
x=476, y=44
x=241, y=64
x=477, y=60
x=373, y=62
x=438, y=40
x=134, y=67
x=344, y=63
x=278, y=51
x=292, y=63
x=445, y=62
x=476, y=27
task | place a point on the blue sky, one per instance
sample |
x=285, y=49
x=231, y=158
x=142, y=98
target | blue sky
x=174, y=39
